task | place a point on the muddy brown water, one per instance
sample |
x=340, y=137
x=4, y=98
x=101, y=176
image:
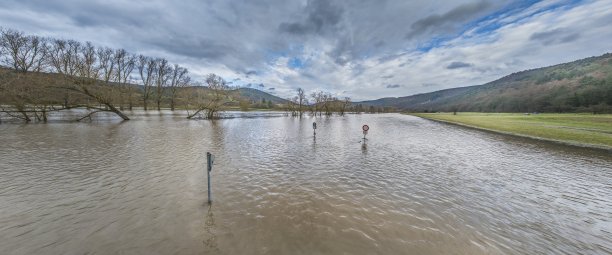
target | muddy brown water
x=417, y=187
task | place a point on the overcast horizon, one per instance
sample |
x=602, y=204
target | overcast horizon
x=361, y=49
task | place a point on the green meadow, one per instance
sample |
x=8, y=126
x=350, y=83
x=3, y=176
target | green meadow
x=571, y=128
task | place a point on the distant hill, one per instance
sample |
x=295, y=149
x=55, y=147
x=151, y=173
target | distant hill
x=582, y=85
x=255, y=95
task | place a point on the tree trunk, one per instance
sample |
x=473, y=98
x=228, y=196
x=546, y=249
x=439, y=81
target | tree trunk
x=44, y=113
x=23, y=113
x=119, y=113
x=194, y=114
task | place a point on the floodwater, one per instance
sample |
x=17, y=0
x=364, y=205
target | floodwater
x=416, y=187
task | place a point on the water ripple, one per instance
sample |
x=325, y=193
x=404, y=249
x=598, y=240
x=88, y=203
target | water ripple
x=417, y=187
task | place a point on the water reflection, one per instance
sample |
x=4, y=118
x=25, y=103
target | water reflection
x=209, y=227
x=364, y=147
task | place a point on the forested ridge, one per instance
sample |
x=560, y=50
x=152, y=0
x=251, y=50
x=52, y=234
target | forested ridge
x=580, y=86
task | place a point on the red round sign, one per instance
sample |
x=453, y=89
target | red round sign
x=365, y=128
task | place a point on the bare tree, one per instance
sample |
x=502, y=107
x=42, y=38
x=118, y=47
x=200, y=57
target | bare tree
x=106, y=57
x=316, y=100
x=344, y=105
x=124, y=63
x=63, y=56
x=108, y=73
x=162, y=76
x=213, y=102
x=320, y=102
x=147, y=67
x=24, y=86
x=301, y=100
x=86, y=82
x=23, y=53
x=329, y=102
x=86, y=65
x=17, y=95
x=178, y=80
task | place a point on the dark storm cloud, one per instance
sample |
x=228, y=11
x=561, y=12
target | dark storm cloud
x=321, y=15
x=322, y=18
x=342, y=53
x=392, y=86
x=92, y=13
x=196, y=47
x=555, y=36
x=448, y=20
x=458, y=64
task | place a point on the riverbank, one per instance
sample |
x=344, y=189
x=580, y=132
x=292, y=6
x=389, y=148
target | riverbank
x=583, y=130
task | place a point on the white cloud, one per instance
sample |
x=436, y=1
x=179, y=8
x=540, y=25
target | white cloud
x=350, y=48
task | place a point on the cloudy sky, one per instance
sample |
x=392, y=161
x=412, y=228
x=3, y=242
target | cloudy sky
x=364, y=49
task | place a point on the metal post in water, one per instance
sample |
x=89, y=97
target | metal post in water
x=209, y=168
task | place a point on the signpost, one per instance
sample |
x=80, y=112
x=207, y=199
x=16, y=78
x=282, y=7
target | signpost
x=365, y=129
x=314, y=128
x=209, y=163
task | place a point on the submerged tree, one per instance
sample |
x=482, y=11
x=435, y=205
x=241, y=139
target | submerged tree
x=92, y=66
x=125, y=63
x=23, y=86
x=63, y=58
x=46, y=75
x=301, y=101
x=161, y=79
x=212, y=100
x=344, y=106
x=322, y=103
x=179, y=79
x=147, y=67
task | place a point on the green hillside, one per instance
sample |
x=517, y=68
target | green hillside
x=581, y=86
x=255, y=95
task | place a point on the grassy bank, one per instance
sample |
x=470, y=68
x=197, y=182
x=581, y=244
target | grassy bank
x=577, y=129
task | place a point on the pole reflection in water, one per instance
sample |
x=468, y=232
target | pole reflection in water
x=210, y=242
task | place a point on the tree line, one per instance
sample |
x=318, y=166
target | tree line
x=325, y=103
x=319, y=102
x=40, y=76
x=43, y=75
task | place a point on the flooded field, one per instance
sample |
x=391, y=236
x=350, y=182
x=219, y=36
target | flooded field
x=416, y=187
